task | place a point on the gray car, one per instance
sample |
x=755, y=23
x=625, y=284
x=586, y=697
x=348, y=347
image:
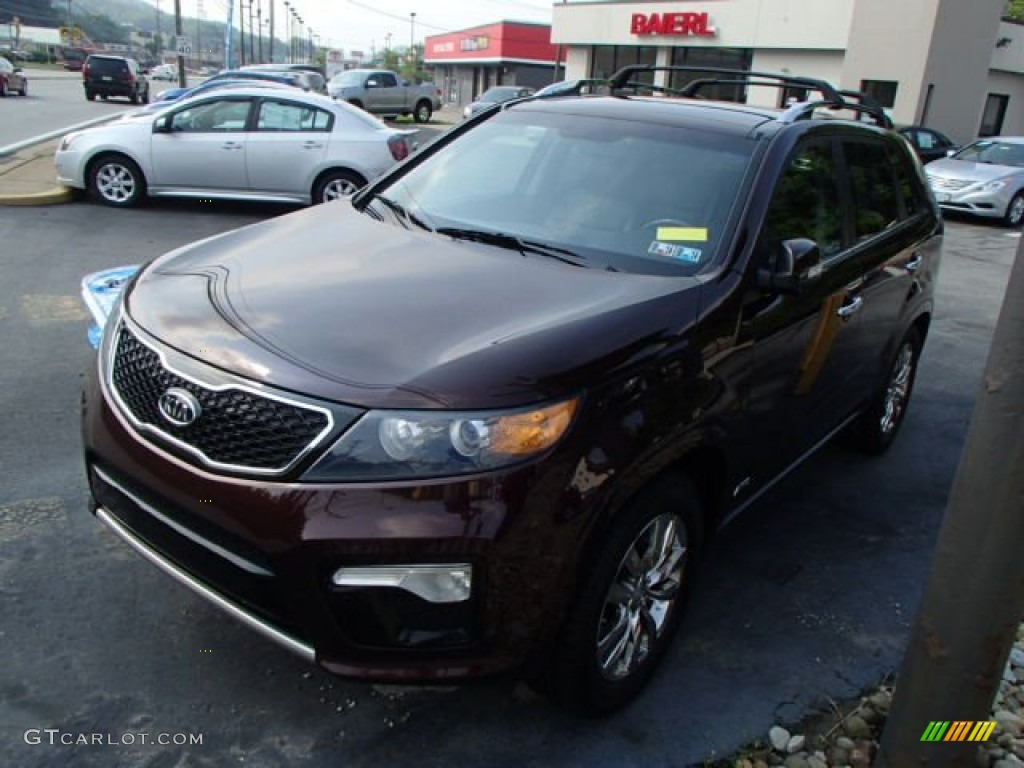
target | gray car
x=496, y=95
x=985, y=178
x=241, y=144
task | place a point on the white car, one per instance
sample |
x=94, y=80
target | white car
x=164, y=72
x=247, y=143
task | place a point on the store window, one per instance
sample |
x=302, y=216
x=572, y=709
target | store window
x=719, y=58
x=606, y=60
x=883, y=91
x=992, y=117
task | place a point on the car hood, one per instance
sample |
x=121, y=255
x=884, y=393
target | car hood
x=332, y=303
x=962, y=170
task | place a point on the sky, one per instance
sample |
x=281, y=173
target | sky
x=361, y=24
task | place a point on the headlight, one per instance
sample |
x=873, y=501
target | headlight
x=391, y=445
x=995, y=186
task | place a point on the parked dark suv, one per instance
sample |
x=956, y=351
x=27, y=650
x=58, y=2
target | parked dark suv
x=107, y=76
x=488, y=413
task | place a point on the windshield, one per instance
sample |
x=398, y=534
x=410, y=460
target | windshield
x=624, y=195
x=352, y=77
x=993, y=152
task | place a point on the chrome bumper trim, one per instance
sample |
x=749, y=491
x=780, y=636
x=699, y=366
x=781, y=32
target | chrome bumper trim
x=259, y=625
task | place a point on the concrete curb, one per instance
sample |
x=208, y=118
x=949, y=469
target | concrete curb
x=55, y=196
x=42, y=138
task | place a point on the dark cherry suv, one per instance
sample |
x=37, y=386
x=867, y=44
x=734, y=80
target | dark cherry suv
x=487, y=413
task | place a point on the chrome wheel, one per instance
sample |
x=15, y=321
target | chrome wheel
x=336, y=189
x=642, y=594
x=1015, y=213
x=115, y=183
x=898, y=390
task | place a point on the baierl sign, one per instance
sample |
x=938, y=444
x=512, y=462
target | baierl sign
x=672, y=24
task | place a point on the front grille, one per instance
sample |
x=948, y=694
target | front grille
x=939, y=182
x=235, y=429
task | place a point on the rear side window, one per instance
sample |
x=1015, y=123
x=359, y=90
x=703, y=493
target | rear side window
x=386, y=80
x=282, y=116
x=876, y=199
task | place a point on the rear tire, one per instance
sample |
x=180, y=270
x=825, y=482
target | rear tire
x=90, y=96
x=24, y=88
x=423, y=112
x=3, y=89
x=876, y=428
x=116, y=180
x=134, y=98
x=629, y=602
x=336, y=185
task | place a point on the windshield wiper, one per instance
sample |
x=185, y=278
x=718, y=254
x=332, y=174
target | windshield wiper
x=402, y=213
x=512, y=242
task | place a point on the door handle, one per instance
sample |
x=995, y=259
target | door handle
x=851, y=308
x=915, y=263
x=312, y=145
x=231, y=145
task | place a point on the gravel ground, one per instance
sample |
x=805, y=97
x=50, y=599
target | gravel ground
x=847, y=735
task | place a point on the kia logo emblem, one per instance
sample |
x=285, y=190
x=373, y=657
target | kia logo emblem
x=179, y=406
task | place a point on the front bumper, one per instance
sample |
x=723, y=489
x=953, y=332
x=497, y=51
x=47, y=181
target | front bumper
x=69, y=168
x=265, y=552
x=973, y=199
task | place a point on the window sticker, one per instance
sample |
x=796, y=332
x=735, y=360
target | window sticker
x=664, y=250
x=691, y=234
x=672, y=251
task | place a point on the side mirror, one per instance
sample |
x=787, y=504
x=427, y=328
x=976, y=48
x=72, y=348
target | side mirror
x=17, y=70
x=162, y=124
x=405, y=82
x=951, y=152
x=796, y=264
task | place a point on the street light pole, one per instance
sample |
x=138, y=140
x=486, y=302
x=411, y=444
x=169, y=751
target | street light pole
x=241, y=33
x=259, y=27
x=412, y=32
x=272, y=4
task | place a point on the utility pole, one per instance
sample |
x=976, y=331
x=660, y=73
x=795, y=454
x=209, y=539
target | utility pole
x=241, y=33
x=158, y=43
x=259, y=27
x=252, y=49
x=199, y=33
x=272, y=4
x=178, y=32
x=974, y=598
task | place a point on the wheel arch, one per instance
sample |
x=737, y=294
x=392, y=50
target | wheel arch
x=322, y=173
x=98, y=153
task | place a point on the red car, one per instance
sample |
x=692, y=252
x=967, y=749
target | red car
x=11, y=79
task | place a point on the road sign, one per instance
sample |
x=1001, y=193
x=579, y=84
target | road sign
x=184, y=45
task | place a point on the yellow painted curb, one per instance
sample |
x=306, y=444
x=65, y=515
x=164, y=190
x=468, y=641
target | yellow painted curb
x=55, y=196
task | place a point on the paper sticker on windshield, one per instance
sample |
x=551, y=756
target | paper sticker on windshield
x=672, y=251
x=690, y=234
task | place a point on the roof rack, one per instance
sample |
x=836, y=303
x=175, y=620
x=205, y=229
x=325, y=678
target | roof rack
x=828, y=92
x=831, y=97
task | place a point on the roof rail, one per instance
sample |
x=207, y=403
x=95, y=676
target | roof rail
x=831, y=97
x=827, y=90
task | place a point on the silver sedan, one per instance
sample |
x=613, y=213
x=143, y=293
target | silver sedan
x=243, y=144
x=985, y=178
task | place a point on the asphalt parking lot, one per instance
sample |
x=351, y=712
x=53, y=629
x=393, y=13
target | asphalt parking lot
x=809, y=595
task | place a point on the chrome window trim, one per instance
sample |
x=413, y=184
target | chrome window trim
x=141, y=426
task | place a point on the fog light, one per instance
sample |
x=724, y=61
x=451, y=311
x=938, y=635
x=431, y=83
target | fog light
x=433, y=583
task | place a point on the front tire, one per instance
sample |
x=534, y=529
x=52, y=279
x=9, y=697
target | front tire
x=336, y=185
x=116, y=180
x=875, y=429
x=423, y=112
x=3, y=89
x=629, y=602
x=1015, y=211
x=24, y=88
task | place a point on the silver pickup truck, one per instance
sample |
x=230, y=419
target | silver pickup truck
x=385, y=93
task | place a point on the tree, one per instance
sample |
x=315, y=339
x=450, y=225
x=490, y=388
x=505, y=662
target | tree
x=1015, y=10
